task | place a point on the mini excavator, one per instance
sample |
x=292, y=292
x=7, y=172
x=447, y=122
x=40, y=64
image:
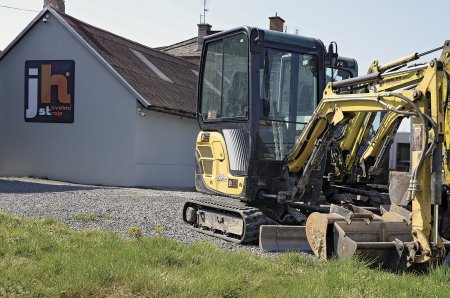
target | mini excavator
x=297, y=170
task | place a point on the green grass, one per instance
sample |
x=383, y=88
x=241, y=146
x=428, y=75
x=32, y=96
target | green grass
x=46, y=258
x=91, y=217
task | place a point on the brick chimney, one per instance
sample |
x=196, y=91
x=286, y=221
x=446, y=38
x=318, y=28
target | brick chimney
x=203, y=30
x=58, y=5
x=276, y=23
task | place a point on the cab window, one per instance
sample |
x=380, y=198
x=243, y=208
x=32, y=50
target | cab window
x=224, y=93
x=289, y=95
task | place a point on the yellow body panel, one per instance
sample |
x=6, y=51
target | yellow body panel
x=212, y=153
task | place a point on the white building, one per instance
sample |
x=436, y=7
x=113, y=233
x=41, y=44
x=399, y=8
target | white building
x=83, y=105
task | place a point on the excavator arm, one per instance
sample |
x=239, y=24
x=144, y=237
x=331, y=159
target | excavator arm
x=420, y=92
x=355, y=134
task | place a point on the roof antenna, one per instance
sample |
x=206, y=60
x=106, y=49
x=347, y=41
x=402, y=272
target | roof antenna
x=205, y=10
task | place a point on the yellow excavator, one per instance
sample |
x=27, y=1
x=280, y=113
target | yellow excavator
x=298, y=163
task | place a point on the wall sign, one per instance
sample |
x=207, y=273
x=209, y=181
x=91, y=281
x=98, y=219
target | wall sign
x=49, y=91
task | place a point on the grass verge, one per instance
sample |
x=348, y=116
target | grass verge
x=46, y=258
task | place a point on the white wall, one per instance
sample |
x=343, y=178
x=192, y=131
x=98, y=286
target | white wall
x=165, y=146
x=98, y=148
x=405, y=125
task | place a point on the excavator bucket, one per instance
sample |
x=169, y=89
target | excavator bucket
x=384, y=243
x=319, y=233
x=346, y=233
x=283, y=238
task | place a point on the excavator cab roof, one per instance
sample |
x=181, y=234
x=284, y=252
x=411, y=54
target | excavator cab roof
x=272, y=37
x=290, y=39
x=269, y=38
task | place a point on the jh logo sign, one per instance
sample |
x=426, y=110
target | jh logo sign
x=49, y=91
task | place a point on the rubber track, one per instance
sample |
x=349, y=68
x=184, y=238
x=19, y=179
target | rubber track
x=252, y=217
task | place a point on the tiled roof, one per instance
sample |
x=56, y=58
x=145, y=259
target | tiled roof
x=168, y=83
x=186, y=48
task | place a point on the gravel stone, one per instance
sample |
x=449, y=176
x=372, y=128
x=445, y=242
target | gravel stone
x=116, y=208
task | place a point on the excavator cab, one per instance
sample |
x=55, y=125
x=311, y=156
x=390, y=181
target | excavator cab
x=257, y=90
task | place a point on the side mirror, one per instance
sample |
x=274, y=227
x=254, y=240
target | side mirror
x=256, y=40
x=332, y=52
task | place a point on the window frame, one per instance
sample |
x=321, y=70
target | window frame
x=200, y=93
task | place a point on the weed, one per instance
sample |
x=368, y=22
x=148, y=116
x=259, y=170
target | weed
x=158, y=230
x=135, y=232
x=86, y=217
x=49, y=221
x=106, y=217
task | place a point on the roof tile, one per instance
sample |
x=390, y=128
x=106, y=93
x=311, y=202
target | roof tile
x=178, y=97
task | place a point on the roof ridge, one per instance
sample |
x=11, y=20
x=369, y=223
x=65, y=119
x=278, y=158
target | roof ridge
x=126, y=39
x=169, y=47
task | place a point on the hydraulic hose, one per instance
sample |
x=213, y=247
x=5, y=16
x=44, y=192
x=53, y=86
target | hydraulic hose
x=426, y=150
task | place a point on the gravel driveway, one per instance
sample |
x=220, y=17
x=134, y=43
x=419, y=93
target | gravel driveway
x=111, y=208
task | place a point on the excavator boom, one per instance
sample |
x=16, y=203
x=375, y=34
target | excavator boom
x=397, y=239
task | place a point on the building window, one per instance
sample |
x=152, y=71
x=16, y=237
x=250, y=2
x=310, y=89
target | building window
x=403, y=157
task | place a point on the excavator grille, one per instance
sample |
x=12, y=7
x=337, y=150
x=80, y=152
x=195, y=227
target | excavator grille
x=205, y=151
x=206, y=158
x=207, y=167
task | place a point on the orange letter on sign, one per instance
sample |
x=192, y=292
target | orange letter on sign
x=48, y=80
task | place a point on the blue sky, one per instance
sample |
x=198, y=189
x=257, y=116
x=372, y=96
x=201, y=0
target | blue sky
x=365, y=30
